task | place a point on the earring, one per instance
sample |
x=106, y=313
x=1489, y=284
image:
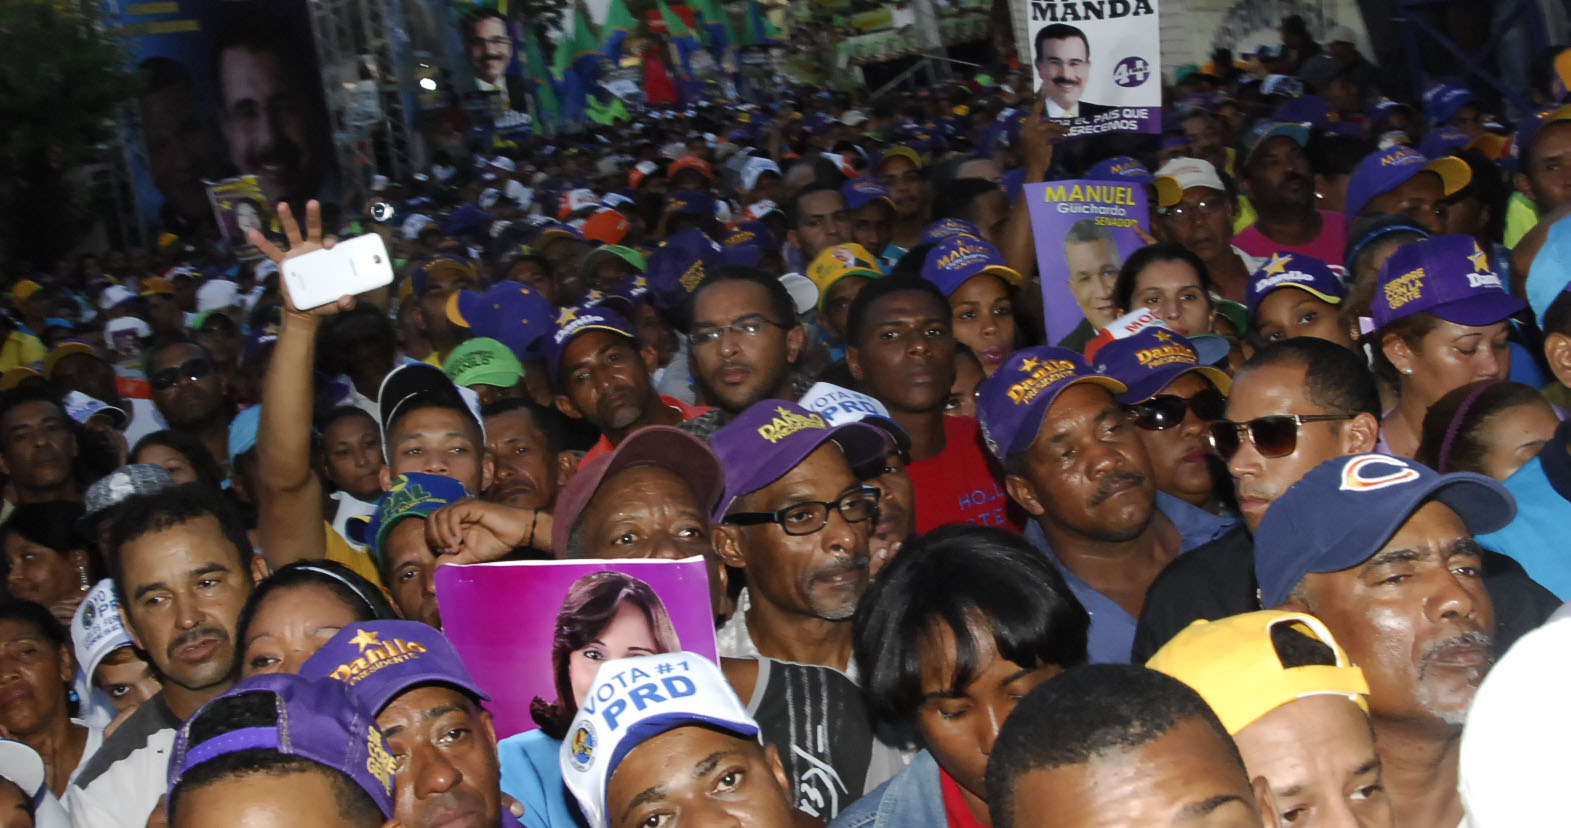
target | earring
x=1407, y=371
x=81, y=573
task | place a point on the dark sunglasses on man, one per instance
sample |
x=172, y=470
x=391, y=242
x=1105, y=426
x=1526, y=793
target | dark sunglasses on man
x=192, y=369
x=1165, y=411
x=1273, y=436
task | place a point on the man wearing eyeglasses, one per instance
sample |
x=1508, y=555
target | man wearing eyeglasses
x=1295, y=405
x=744, y=340
x=796, y=518
x=1195, y=209
x=1073, y=462
x=490, y=51
x=190, y=394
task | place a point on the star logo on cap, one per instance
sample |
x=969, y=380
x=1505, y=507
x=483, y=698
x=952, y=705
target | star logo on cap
x=1277, y=264
x=1028, y=365
x=1164, y=336
x=567, y=315
x=364, y=639
x=1479, y=259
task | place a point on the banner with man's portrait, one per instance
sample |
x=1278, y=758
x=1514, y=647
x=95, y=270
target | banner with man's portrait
x=224, y=89
x=1084, y=230
x=1097, y=62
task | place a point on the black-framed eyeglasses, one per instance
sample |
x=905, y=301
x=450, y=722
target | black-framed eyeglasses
x=1165, y=411
x=746, y=328
x=1273, y=436
x=813, y=515
x=192, y=369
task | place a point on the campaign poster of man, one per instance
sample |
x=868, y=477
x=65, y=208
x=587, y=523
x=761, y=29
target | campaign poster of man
x=225, y=89
x=493, y=55
x=1097, y=62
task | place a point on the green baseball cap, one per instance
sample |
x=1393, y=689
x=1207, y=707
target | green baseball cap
x=483, y=361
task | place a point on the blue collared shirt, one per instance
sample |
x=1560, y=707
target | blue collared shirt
x=1112, y=632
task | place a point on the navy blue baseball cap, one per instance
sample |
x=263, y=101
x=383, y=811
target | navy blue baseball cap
x=861, y=192
x=955, y=260
x=1012, y=402
x=1343, y=511
x=1381, y=172
x=1149, y=360
x=1447, y=276
x=1444, y=102
x=1295, y=270
x=679, y=265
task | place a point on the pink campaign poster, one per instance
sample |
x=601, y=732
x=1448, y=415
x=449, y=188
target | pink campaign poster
x=504, y=619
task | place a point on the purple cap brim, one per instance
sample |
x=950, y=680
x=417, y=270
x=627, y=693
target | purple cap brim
x=1030, y=426
x=1159, y=378
x=861, y=442
x=1483, y=309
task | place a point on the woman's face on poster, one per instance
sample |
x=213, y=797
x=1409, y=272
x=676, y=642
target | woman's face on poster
x=627, y=635
x=247, y=218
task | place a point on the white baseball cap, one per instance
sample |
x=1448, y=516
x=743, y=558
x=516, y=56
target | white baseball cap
x=1180, y=174
x=217, y=293
x=96, y=628
x=114, y=295
x=804, y=294
x=755, y=168
x=636, y=699
x=414, y=224
x=81, y=408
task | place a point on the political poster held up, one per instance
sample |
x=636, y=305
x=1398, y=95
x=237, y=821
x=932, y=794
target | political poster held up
x=1084, y=230
x=1098, y=62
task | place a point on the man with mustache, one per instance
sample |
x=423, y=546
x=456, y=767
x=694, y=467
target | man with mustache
x=1075, y=464
x=745, y=340
x=181, y=564
x=1063, y=62
x=1276, y=176
x=795, y=518
x=270, y=108
x=1397, y=578
x=1306, y=400
x=490, y=51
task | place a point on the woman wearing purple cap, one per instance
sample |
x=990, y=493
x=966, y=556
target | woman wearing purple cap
x=1441, y=322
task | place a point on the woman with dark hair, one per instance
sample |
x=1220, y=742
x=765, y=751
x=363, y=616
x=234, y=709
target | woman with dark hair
x=605, y=615
x=1170, y=281
x=185, y=457
x=47, y=559
x=955, y=630
x=1490, y=427
x=36, y=700
x=295, y=610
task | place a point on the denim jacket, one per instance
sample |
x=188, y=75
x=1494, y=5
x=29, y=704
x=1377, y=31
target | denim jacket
x=912, y=799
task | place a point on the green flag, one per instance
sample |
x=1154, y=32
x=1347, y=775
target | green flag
x=545, y=86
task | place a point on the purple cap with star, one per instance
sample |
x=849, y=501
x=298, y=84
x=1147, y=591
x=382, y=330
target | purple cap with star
x=1447, y=276
x=574, y=322
x=1148, y=361
x=1012, y=402
x=772, y=437
x=509, y=312
x=379, y=660
x=1294, y=270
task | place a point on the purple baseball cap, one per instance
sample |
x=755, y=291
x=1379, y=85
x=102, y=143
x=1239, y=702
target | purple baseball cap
x=957, y=259
x=771, y=437
x=944, y=228
x=1445, y=101
x=1447, y=276
x=1012, y=402
x=379, y=660
x=1381, y=172
x=317, y=720
x=1443, y=141
x=1294, y=270
x=1119, y=168
x=508, y=312
x=1147, y=361
x=1345, y=509
x=861, y=192
x=689, y=203
x=754, y=233
x=679, y=266
x=572, y=322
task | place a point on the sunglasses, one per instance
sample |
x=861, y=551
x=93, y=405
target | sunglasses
x=1274, y=436
x=191, y=369
x=1165, y=411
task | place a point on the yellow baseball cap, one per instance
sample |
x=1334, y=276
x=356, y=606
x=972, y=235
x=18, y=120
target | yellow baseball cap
x=1233, y=665
x=157, y=286
x=24, y=289
x=835, y=263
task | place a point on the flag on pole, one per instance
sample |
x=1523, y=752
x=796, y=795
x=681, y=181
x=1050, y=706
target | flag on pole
x=717, y=24
x=760, y=32
x=540, y=76
x=619, y=23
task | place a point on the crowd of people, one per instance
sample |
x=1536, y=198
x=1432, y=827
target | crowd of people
x=1281, y=554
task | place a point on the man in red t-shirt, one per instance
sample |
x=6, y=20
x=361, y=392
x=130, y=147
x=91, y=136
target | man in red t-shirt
x=900, y=346
x=1280, y=184
x=601, y=375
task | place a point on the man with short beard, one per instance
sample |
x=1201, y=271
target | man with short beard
x=1075, y=464
x=796, y=518
x=1396, y=577
x=744, y=340
x=181, y=564
x=1281, y=186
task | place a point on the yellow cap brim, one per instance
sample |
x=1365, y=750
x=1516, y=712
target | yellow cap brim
x=1168, y=190
x=1008, y=274
x=453, y=314
x=1454, y=173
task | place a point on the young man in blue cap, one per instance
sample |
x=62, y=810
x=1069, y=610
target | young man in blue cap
x=412, y=681
x=796, y=517
x=1075, y=465
x=1394, y=181
x=1397, y=578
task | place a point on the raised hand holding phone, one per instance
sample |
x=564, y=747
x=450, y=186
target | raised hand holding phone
x=301, y=243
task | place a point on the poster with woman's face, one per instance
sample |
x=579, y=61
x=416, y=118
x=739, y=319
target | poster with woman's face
x=534, y=633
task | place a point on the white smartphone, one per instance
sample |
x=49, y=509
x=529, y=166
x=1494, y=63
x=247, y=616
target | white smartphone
x=348, y=268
